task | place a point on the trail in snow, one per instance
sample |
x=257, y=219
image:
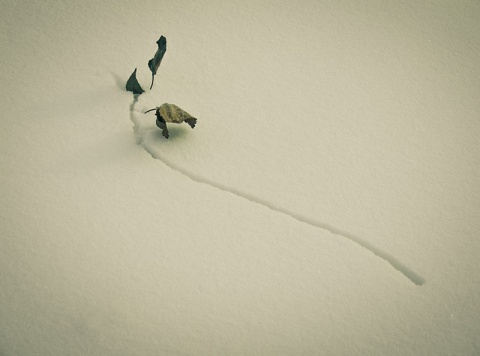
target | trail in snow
x=399, y=266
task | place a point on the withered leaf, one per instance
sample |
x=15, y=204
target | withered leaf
x=154, y=63
x=173, y=114
x=133, y=85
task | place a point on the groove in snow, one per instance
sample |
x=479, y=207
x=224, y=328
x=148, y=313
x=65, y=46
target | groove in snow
x=399, y=266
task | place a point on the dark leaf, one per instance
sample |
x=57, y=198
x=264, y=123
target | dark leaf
x=161, y=124
x=154, y=63
x=191, y=121
x=133, y=85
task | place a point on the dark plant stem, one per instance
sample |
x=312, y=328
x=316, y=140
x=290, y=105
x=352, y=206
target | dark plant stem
x=150, y=110
x=152, y=82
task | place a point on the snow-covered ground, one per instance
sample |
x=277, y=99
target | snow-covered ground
x=327, y=202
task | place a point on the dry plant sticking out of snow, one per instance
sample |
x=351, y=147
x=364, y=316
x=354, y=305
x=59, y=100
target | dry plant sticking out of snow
x=165, y=112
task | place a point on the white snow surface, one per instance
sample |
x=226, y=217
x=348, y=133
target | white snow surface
x=327, y=202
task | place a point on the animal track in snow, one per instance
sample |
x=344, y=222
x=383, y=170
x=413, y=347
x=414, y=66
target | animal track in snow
x=399, y=266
